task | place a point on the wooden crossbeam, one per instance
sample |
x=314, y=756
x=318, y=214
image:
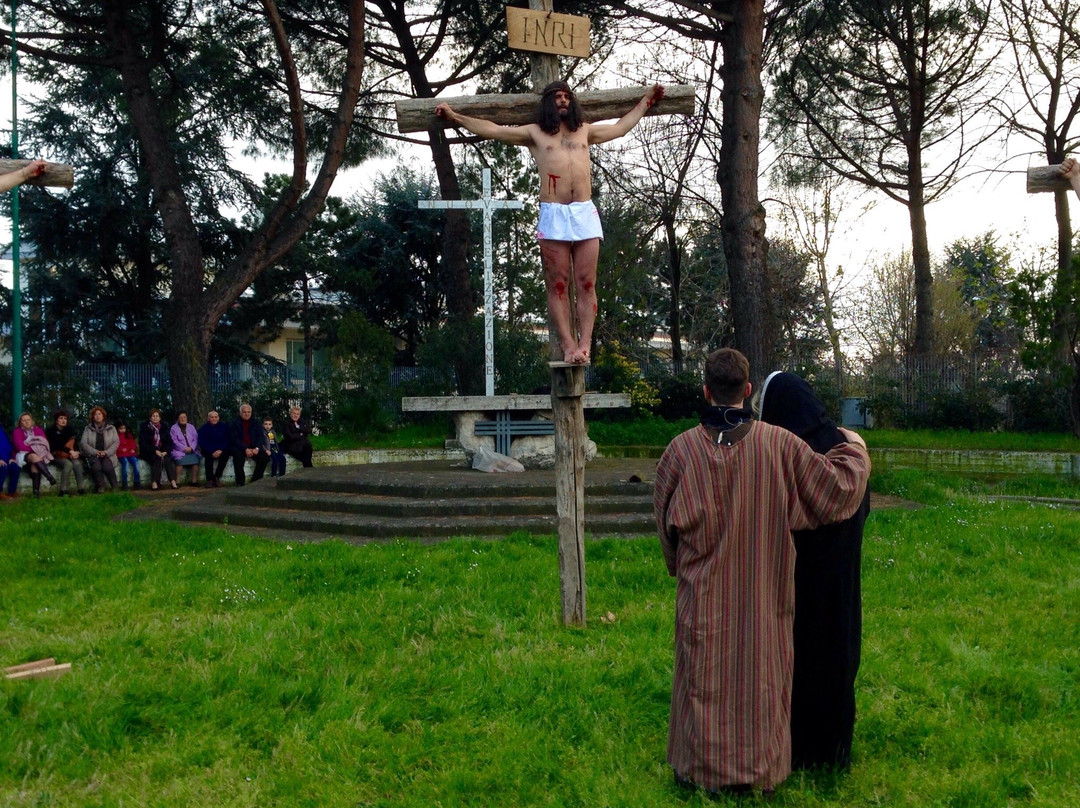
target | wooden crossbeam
x=418, y=114
x=1046, y=178
x=514, y=401
x=55, y=175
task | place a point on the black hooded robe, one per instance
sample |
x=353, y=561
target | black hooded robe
x=828, y=596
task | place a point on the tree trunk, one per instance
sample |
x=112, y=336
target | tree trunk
x=1065, y=306
x=675, y=278
x=188, y=352
x=924, y=277
x=187, y=341
x=454, y=276
x=193, y=312
x=828, y=315
x=745, y=246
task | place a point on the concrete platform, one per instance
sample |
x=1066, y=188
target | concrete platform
x=424, y=501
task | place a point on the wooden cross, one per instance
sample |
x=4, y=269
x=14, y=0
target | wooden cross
x=567, y=381
x=488, y=205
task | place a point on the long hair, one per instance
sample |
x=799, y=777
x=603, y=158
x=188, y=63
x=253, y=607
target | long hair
x=547, y=114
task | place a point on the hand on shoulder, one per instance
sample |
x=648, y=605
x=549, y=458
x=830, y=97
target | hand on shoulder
x=853, y=437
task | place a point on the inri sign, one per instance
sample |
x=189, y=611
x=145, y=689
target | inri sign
x=547, y=32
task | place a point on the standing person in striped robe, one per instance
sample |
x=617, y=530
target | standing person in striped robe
x=728, y=495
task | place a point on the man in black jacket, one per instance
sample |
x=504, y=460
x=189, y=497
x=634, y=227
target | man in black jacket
x=294, y=438
x=247, y=440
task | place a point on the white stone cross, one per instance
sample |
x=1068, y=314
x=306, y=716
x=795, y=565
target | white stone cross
x=488, y=205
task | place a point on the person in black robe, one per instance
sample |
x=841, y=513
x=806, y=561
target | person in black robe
x=828, y=596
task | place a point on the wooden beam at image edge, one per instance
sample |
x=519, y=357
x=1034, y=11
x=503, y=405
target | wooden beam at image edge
x=1046, y=178
x=418, y=114
x=57, y=175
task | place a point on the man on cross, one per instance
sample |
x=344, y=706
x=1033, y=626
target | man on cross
x=569, y=230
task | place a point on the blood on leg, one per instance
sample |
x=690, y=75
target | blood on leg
x=556, y=260
x=585, y=255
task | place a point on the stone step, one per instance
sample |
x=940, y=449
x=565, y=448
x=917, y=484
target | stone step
x=423, y=501
x=516, y=485
x=364, y=526
x=306, y=499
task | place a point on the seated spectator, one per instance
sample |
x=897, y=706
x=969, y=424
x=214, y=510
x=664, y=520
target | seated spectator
x=98, y=445
x=32, y=450
x=65, y=451
x=128, y=453
x=294, y=438
x=185, y=446
x=214, y=444
x=9, y=469
x=154, y=448
x=247, y=440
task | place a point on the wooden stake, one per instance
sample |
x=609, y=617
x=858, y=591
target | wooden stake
x=567, y=389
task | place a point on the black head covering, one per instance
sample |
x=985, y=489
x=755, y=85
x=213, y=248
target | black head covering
x=788, y=401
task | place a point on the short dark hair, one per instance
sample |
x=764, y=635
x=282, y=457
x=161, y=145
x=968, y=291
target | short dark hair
x=726, y=375
x=547, y=114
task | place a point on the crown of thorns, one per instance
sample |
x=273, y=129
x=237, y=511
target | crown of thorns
x=555, y=86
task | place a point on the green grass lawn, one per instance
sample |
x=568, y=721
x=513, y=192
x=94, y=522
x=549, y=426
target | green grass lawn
x=212, y=669
x=655, y=433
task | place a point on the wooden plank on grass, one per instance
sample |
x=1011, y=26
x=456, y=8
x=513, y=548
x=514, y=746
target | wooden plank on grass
x=29, y=666
x=47, y=672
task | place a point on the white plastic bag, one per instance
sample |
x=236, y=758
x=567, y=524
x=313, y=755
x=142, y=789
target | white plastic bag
x=486, y=460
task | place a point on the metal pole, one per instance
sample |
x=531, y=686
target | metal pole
x=489, y=293
x=16, y=291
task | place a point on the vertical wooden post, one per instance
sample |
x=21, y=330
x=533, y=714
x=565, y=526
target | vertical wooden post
x=545, y=66
x=567, y=389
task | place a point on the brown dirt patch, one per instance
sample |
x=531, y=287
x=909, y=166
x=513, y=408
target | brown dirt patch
x=880, y=502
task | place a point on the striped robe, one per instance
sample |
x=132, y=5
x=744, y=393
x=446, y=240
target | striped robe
x=725, y=516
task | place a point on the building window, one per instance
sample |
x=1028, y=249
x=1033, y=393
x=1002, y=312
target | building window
x=294, y=355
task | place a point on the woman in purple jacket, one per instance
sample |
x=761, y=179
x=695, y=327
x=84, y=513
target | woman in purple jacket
x=185, y=447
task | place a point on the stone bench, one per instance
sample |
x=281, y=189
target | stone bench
x=489, y=421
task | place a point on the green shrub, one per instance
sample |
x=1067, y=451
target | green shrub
x=970, y=409
x=680, y=396
x=1039, y=404
x=614, y=372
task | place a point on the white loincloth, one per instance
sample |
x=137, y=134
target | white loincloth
x=574, y=221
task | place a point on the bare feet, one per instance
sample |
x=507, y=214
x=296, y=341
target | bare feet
x=576, y=356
